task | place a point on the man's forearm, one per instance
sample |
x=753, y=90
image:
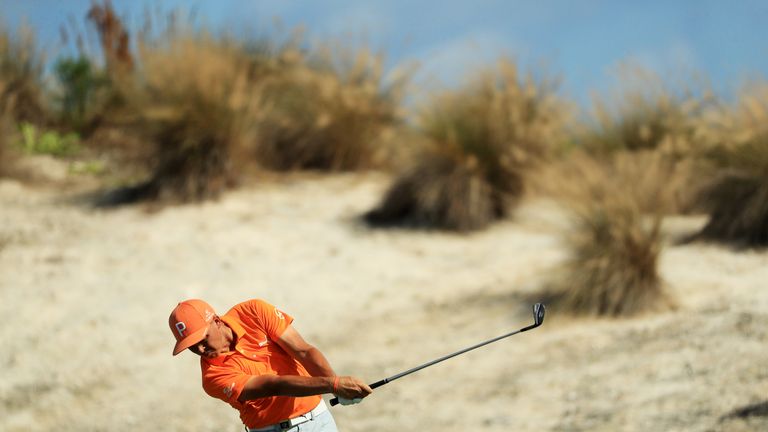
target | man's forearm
x=285, y=385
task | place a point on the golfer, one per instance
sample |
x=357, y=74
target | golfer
x=253, y=359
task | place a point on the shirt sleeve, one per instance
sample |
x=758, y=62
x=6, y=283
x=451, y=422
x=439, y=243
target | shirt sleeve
x=273, y=320
x=227, y=383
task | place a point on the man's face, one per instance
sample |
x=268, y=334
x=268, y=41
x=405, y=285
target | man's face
x=215, y=341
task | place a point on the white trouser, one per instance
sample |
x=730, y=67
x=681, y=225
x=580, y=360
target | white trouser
x=317, y=420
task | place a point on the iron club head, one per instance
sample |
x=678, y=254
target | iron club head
x=538, y=313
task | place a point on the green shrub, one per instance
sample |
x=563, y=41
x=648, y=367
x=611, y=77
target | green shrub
x=485, y=138
x=34, y=141
x=88, y=167
x=81, y=84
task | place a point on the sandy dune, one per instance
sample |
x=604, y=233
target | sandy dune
x=86, y=293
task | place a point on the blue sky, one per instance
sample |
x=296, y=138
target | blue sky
x=582, y=42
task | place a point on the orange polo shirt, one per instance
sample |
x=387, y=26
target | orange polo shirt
x=257, y=325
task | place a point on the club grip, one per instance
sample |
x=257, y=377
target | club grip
x=335, y=401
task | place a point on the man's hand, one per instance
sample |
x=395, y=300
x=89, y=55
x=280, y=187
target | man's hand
x=351, y=388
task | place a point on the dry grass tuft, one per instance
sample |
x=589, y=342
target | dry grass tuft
x=6, y=137
x=442, y=192
x=113, y=37
x=328, y=111
x=212, y=102
x=646, y=113
x=3, y=151
x=22, y=65
x=617, y=208
x=737, y=200
x=485, y=137
x=21, y=90
x=191, y=93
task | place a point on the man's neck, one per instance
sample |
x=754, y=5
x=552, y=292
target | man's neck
x=231, y=337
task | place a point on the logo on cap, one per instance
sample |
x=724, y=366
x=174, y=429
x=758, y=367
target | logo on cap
x=181, y=327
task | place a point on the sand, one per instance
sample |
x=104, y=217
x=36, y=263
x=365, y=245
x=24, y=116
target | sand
x=85, y=296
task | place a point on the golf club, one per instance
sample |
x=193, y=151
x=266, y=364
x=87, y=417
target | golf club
x=538, y=319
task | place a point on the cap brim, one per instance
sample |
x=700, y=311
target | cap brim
x=190, y=340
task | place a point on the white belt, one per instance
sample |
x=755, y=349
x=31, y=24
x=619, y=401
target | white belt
x=287, y=424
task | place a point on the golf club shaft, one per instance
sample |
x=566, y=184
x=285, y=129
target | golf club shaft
x=380, y=383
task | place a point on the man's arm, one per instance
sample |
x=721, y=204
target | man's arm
x=309, y=356
x=293, y=385
x=285, y=385
x=323, y=379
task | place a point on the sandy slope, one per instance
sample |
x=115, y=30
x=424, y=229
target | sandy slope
x=85, y=295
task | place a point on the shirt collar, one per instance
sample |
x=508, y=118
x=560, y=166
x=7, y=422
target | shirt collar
x=235, y=326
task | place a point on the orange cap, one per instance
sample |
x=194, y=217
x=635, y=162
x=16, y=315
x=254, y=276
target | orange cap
x=189, y=322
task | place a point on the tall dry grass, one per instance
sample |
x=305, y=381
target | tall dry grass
x=737, y=200
x=617, y=205
x=646, y=112
x=328, y=110
x=174, y=104
x=113, y=38
x=191, y=95
x=215, y=105
x=485, y=139
x=6, y=134
x=22, y=64
x=6, y=137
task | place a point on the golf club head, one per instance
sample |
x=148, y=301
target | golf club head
x=538, y=313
